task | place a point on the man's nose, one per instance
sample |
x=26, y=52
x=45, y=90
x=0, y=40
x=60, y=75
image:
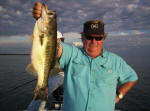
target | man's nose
x=93, y=40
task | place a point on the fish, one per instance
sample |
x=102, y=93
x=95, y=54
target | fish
x=43, y=52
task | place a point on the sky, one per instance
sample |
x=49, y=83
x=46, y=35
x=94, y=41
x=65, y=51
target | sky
x=123, y=19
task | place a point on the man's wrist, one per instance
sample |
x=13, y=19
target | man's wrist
x=120, y=95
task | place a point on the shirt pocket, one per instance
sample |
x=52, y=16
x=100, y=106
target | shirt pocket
x=108, y=78
x=78, y=67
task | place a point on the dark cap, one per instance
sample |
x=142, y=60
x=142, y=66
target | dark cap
x=93, y=28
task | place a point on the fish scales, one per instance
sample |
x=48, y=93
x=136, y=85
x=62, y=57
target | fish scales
x=43, y=53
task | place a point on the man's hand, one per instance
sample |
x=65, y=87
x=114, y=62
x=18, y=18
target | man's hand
x=124, y=89
x=37, y=9
x=117, y=99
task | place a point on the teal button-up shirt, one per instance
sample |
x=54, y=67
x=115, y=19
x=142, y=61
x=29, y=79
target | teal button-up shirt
x=90, y=84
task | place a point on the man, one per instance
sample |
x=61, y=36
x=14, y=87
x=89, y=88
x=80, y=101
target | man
x=91, y=73
x=60, y=37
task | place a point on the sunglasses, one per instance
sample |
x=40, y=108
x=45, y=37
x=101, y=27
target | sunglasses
x=96, y=38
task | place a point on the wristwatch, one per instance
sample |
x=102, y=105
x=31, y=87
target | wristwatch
x=120, y=95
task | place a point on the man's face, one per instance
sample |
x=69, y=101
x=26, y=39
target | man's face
x=92, y=47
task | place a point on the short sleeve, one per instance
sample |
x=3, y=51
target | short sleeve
x=127, y=73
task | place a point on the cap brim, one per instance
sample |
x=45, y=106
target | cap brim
x=95, y=35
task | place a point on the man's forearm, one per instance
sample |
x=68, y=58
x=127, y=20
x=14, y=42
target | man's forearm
x=59, y=50
x=123, y=89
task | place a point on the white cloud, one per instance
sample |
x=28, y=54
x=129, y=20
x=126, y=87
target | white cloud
x=18, y=13
x=123, y=34
x=78, y=44
x=14, y=2
x=10, y=22
x=81, y=14
x=146, y=8
x=2, y=9
x=6, y=16
x=77, y=5
x=136, y=32
x=71, y=37
x=137, y=1
x=103, y=2
x=7, y=22
x=132, y=7
x=96, y=1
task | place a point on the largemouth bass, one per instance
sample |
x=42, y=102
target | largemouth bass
x=43, y=53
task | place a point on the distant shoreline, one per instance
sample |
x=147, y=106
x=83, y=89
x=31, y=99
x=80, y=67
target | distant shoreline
x=14, y=54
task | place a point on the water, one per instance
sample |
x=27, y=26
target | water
x=15, y=95
x=13, y=74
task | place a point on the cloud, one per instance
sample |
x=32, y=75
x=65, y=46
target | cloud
x=18, y=13
x=13, y=2
x=81, y=14
x=118, y=15
x=71, y=37
x=3, y=13
x=146, y=8
x=132, y=7
x=2, y=10
x=78, y=44
x=136, y=32
x=123, y=34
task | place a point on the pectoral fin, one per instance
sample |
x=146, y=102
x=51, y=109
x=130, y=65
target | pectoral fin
x=55, y=70
x=32, y=37
x=30, y=69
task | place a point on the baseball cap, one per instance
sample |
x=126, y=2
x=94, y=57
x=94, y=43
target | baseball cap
x=59, y=34
x=93, y=28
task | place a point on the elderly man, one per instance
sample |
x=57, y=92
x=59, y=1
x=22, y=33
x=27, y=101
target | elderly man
x=91, y=73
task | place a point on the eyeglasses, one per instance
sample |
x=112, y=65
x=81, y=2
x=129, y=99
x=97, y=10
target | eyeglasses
x=96, y=38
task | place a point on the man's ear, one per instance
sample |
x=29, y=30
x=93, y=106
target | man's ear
x=82, y=37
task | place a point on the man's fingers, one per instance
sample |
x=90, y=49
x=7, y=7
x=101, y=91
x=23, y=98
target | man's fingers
x=36, y=12
x=39, y=4
x=37, y=8
x=36, y=16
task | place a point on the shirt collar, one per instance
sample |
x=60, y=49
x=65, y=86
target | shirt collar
x=101, y=60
